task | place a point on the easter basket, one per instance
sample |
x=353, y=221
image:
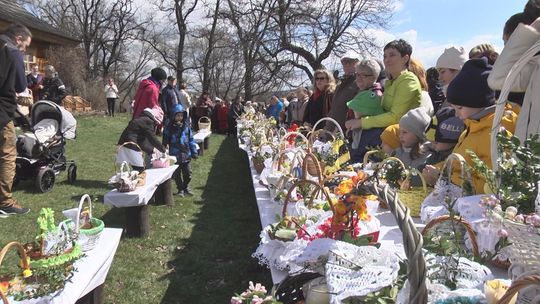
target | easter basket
x=205, y=124
x=261, y=155
x=410, y=196
x=30, y=286
x=341, y=155
x=87, y=227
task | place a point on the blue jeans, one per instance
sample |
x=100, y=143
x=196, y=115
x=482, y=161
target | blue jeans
x=370, y=139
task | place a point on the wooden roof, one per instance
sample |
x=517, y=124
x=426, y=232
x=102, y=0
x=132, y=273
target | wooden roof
x=11, y=12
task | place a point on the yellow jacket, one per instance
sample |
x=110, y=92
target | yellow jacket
x=476, y=137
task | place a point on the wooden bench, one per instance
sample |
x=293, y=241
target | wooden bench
x=202, y=138
x=135, y=203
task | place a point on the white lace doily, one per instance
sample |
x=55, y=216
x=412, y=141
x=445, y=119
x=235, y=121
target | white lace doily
x=466, y=273
x=433, y=205
x=438, y=292
x=356, y=271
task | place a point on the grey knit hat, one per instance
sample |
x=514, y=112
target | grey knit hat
x=416, y=121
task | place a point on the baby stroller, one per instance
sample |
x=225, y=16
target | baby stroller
x=40, y=150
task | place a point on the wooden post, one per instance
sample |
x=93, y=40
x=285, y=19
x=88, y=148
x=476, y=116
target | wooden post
x=164, y=193
x=137, y=221
x=206, y=142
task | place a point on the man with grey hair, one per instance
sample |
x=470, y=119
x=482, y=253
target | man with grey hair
x=344, y=92
x=53, y=87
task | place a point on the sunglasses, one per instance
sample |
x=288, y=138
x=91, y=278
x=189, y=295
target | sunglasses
x=321, y=78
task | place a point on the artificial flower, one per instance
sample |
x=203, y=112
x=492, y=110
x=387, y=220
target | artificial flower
x=345, y=187
x=27, y=273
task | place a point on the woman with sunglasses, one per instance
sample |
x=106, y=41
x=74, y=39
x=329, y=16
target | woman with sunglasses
x=402, y=92
x=319, y=103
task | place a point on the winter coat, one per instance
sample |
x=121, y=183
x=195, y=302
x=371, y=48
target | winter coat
x=528, y=80
x=400, y=95
x=141, y=131
x=111, y=91
x=274, y=110
x=169, y=99
x=179, y=137
x=344, y=92
x=8, y=104
x=405, y=157
x=18, y=63
x=318, y=107
x=476, y=137
x=147, y=96
x=53, y=90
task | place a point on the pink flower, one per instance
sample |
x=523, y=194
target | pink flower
x=256, y=300
x=236, y=300
x=502, y=233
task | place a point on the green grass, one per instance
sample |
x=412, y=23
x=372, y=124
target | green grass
x=198, y=251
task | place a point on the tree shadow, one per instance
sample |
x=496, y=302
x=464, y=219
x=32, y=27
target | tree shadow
x=215, y=261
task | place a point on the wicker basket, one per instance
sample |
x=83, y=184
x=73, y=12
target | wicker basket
x=459, y=220
x=314, y=135
x=119, y=160
x=87, y=237
x=412, y=242
x=526, y=281
x=317, y=192
x=205, y=123
x=414, y=195
x=23, y=257
x=258, y=163
x=525, y=248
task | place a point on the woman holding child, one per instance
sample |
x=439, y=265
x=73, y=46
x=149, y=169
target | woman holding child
x=402, y=92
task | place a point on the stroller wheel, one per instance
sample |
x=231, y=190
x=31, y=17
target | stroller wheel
x=45, y=179
x=72, y=173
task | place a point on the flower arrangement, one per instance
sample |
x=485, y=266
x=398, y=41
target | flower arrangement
x=255, y=294
x=286, y=228
x=516, y=181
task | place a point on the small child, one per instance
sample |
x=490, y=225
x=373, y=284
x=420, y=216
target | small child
x=390, y=139
x=412, y=135
x=178, y=136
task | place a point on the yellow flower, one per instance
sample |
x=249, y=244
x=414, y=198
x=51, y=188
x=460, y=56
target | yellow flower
x=344, y=187
x=27, y=273
x=361, y=208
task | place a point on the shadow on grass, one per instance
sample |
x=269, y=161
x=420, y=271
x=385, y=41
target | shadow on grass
x=215, y=261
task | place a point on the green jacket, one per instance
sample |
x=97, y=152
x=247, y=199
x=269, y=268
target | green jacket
x=400, y=95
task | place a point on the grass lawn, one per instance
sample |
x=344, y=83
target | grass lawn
x=198, y=251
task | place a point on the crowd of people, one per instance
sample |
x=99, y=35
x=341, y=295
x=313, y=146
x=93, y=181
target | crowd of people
x=417, y=115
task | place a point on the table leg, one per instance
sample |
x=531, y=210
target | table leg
x=164, y=193
x=137, y=221
x=93, y=297
x=206, y=143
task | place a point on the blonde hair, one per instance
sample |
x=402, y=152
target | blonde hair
x=331, y=80
x=417, y=68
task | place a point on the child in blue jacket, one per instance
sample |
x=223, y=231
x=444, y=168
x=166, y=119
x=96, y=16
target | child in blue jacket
x=178, y=136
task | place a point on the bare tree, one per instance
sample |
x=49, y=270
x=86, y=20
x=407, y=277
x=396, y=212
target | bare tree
x=314, y=29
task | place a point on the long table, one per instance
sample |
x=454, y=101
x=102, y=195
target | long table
x=91, y=272
x=390, y=235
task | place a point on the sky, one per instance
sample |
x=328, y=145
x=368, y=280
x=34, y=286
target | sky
x=433, y=25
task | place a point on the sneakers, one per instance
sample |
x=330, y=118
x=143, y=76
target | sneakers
x=179, y=193
x=13, y=210
x=188, y=193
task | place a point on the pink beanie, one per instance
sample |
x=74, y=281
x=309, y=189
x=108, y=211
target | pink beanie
x=156, y=113
x=452, y=58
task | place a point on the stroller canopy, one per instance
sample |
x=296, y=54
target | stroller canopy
x=44, y=109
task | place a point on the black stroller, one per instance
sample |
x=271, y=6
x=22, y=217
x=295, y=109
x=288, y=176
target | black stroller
x=40, y=151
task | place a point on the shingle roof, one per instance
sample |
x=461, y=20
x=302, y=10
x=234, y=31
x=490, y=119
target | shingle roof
x=14, y=13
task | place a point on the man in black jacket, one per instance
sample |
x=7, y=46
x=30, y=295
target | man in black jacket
x=17, y=38
x=53, y=87
x=10, y=64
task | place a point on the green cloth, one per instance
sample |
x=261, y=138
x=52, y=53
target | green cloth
x=400, y=95
x=367, y=103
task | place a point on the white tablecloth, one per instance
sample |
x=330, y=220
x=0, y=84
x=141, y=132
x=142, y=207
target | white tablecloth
x=201, y=135
x=91, y=270
x=141, y=195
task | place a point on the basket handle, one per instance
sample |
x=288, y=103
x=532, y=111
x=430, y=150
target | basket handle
x=511, y=77
x=280, y=156
x=300, y=183
x=331, y=120
x=313, y=135
x=84, y=198
x=367, y=155
x=517, y=285
x=23, y=257
x=459, y=220
x=289, y=134
x=205, y=117
x=130, y=143
x=448, y=167
x=424, y=183
x=305, y=163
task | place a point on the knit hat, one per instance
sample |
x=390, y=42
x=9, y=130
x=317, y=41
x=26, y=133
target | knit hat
x=452, y=58
x=416, y=121
x=481, y=49
x=158, y=74
x=470, y=88
x=156, y=113
x=449, y=130
x=367, y=102
x=390, y=136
